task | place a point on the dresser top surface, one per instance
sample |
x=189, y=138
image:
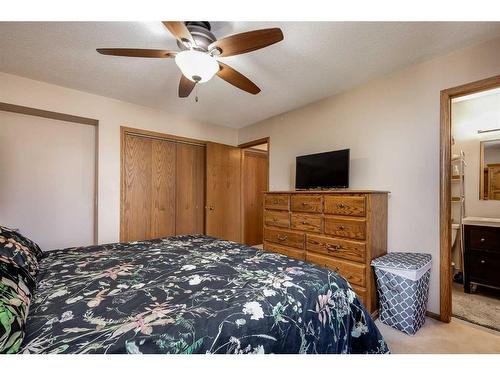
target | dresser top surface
x=332, y=191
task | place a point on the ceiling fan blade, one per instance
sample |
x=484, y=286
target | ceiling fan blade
x=180, y=31
x=185, y=87
x=247, y=42
x=136, y=52
x=237, y=79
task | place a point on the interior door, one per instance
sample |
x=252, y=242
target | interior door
x=223, y=196
x=136, y=189
x=163, y=188
x=190, y=189
x=148, y=188
x=254, y=184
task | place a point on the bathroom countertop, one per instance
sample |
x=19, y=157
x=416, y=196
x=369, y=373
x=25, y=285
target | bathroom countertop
x=484, y=221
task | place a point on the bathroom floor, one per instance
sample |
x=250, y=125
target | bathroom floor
x=480, y=307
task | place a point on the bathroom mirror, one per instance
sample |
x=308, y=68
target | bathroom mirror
x=489, y=185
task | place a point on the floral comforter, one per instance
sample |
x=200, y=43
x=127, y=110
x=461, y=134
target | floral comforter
x=193, y=294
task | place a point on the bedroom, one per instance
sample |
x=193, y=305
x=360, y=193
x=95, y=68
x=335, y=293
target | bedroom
x=184, y=201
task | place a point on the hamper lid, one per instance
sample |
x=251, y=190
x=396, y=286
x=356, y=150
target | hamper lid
x=406, y=261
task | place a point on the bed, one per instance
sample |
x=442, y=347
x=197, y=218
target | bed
x=192, y=294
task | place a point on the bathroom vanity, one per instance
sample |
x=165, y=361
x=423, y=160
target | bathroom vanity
x=481, y=252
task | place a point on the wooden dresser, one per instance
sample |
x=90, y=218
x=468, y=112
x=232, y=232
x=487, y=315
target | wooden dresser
x=339, y=229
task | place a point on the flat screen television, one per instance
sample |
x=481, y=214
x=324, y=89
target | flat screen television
x=327, y=170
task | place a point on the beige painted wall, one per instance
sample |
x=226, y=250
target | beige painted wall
x=468, y=117
x=48, y=179
x=111, y=115
x=391, y=126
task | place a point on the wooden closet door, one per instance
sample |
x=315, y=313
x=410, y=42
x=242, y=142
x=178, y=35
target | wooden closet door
x=136, y=188
x=190, y=189
x=163, y=195
x=254, y=184
x=148, y=190
x=223, y=219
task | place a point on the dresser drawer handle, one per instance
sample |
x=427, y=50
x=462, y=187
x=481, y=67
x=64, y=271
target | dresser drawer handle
x=282, y=238
x=336, y=269
x=483, y=261
x=305, y=204
x=341, y=205
x=305, y=223
x=341, y=227
x=333, y=247
x=483, y=239
x=275, y=201
x=275, y=219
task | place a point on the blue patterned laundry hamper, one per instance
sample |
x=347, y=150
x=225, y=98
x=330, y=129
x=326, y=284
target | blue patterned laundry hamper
x=403, y=288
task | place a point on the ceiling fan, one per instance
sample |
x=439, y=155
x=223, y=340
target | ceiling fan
x=200, y=50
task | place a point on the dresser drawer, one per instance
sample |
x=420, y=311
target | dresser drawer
x=284, y=237
x=485, y=238
x=277, y=218
x=284, y=250
x=306, y=222
x=306, y=202
x=352, y=250
x=483, y=267
x=345, y=205
x=360, y=292
x=345, y=227
x=277, y=201
x=352, y=272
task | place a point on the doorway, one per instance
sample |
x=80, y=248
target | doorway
x=254, y=182
x=448, y=177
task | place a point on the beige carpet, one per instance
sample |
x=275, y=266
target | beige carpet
x=457, y=337
x=481, y=307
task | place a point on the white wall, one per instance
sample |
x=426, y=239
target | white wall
x=48, y=179
x=392, y=128
x=111, y=115
x=468, y=117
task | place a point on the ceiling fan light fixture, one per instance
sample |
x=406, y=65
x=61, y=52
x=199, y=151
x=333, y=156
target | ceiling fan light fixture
x=197, y=66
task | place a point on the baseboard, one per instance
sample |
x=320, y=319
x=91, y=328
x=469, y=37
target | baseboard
x=433, y=315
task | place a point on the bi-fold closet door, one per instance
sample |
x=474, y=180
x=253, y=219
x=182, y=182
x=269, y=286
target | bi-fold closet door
x=163, y=187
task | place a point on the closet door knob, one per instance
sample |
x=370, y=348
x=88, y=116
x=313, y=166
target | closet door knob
x=211, y=208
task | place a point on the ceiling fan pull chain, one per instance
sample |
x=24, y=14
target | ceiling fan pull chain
x=196, y=97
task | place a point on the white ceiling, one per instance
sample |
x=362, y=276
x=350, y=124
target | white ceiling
x=314, y=61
